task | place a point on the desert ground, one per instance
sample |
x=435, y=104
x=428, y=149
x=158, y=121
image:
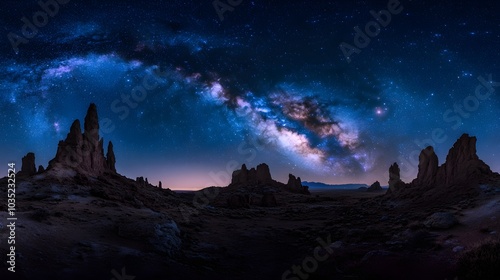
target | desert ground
x=73, y=231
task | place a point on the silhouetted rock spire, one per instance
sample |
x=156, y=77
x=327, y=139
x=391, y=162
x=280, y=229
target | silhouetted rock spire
x=110, y=157
x=84, y=152
x=28, y=167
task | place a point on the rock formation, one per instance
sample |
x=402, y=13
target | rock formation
x=375, y=187
x=159, y=185
x=140, y=181
x=462, y=170
x=395, y=182
x=261, y=175
x=295, y=185
x=462, y=164
x=28, y=166
x=84, y=152
x=41, y=169
x=427, y=168
x=110, y=157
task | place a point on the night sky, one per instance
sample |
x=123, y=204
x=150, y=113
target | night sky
x=186, y=97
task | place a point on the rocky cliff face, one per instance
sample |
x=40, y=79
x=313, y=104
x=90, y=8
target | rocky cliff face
x=84, y=152
x=462, y=168
x=462, y=164
x=427, y=168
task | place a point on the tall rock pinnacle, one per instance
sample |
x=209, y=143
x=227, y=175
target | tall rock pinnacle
x=28, y=167
x=110, y=157
x=427, y=168
x=84, y=152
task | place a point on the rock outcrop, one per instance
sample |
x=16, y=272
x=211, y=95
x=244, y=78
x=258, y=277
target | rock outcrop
x=110, y=157
x=41, y=169
x=427, y=168
x=462, y=164
x=460, y=175
x=395, y=182
x=295, y=185
x=83, y=152
x=28, y=167
x=375, y=187
x=261, y=175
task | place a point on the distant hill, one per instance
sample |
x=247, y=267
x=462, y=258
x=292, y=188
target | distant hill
x=318, y=185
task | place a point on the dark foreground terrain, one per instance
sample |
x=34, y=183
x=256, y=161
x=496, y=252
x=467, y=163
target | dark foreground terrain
x=79, y=231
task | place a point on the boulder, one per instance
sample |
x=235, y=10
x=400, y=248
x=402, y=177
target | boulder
x=441, y=220
x=162, y=235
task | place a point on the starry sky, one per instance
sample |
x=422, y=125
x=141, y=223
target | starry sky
x=188, y=92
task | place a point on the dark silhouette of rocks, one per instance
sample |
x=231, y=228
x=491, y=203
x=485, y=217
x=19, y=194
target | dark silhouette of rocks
x=427, y=168
x=375, y=187
x=159, y=185
x=459, y=177
x=395, y=182
x=28, y=166
x=462, y=164
x=41, y=169
x=261, y=175
x=83, y=152
x=110, y=157
x=295, y=185
x=143, y=182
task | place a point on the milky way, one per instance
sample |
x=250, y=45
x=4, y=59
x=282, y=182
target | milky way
x=187, y=97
